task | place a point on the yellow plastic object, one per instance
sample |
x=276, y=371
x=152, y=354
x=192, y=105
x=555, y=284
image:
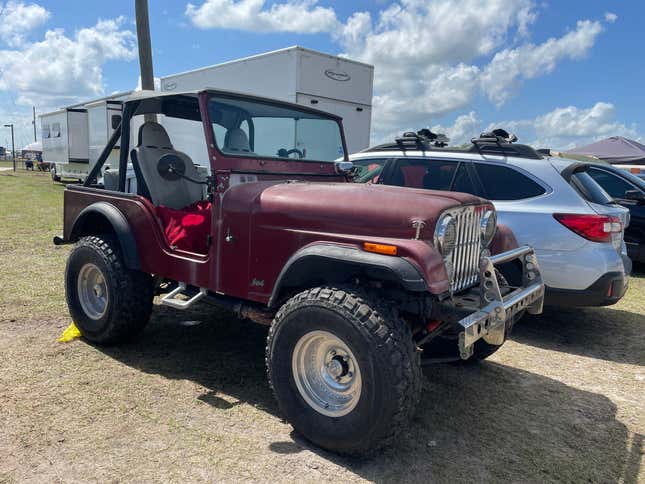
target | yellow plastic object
x=70, y=334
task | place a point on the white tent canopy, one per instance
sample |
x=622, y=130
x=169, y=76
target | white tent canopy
x=35, y=146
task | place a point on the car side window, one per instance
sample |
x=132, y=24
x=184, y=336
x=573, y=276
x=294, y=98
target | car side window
x=504, y=183
x=462, y=181
x=612, y=184
x=422, y=173
x=368, y=170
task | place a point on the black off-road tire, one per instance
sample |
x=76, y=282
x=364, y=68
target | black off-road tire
x=386, y=354
x=130, y=293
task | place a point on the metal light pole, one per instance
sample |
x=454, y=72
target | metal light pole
x=34, y=123
x=145, y=48
x=13, y=146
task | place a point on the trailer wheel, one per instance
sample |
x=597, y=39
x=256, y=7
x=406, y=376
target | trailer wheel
x=52, y=172
x=108, y=302
x=344, y=369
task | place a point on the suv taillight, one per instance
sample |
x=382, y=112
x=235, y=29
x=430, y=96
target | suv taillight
x=597, y=228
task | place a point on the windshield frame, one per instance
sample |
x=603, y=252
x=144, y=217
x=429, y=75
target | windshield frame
x=254, y=162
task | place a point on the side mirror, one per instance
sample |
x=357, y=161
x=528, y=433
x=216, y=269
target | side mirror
x=635, y=195
x=344, y=167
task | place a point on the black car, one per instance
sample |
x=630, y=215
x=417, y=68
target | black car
x=629, y=191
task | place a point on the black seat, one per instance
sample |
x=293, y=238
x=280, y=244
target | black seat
x=437, y=178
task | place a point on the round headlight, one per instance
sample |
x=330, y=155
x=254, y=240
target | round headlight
x=445, y=235
x=488, y=226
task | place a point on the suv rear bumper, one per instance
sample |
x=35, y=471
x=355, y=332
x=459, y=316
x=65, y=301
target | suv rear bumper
x=607, y=290
x=489, y=313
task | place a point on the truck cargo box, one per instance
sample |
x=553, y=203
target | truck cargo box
x=329, y=83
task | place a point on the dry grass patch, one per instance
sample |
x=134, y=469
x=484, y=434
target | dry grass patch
x=562, y=401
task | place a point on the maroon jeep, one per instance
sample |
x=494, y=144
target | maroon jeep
x=357, y=282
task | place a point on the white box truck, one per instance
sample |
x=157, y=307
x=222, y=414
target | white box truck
x=329, y=83
x=65, y=141
x=104, y=116
x=74, y=137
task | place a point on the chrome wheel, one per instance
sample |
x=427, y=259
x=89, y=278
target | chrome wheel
x=92, y=291
x=326, y=373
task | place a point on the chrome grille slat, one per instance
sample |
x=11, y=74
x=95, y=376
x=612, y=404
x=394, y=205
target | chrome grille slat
x=469, y=252
x=459, y=247
x=465, y=256
x=474, y=246
x=464, y=247
x=474, y=256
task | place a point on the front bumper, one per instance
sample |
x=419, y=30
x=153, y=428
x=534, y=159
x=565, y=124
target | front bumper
x=493, y=307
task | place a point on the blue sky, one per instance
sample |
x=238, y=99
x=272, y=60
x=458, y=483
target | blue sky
x=557, y=73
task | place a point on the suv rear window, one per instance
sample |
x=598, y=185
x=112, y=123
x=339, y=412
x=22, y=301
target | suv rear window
x=503, y=183
x=589, y=189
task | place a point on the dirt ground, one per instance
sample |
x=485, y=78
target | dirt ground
x=563, y=401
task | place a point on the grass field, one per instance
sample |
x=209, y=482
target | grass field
x=563, y=401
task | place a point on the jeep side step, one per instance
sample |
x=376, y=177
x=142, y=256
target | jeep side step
x=242, y=309
x=171, y=300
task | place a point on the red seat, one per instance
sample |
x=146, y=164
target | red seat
x=188, y=228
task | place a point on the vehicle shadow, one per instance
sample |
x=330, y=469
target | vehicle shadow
x=488, y=422
x=602, y=333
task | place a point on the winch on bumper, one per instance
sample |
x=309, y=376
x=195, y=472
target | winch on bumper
x=486, y=311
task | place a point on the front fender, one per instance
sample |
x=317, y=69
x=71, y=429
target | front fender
x=309, y=261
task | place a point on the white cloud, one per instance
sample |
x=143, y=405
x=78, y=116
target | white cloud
x=503, y=76
x=422, y=33
x=611, y=17
x=424, y=54
x=465, y=127
x=437, y=91
x=573, y=122
x=60, y=69
x=17, y=19
x=433, y=58
x=301, y=16
x=566, y=127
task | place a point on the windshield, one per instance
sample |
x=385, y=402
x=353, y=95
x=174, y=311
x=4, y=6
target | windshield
x=250, y=128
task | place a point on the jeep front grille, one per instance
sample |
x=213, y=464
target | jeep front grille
x=465, y=256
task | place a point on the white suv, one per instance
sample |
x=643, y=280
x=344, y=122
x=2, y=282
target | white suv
x=549, y=203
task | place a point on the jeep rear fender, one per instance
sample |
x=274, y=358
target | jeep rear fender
x=333, y=263
x=102, y=217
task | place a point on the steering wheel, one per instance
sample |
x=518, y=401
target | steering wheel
x=284, y=153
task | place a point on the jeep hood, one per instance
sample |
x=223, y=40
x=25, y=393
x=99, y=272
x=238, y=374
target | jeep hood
x=352, y=208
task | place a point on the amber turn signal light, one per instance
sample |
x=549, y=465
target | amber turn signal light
x=380, y=248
